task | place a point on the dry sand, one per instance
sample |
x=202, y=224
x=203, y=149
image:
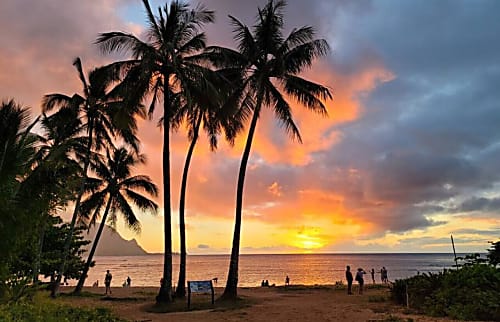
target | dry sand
x=276, y=304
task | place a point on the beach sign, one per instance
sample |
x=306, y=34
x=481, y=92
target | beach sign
x=200, y=287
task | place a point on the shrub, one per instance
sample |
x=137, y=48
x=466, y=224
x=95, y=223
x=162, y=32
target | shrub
x=53, y=312
x=470, y=293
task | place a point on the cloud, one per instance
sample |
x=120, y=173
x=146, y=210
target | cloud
x=479, y=204
x=410, y=147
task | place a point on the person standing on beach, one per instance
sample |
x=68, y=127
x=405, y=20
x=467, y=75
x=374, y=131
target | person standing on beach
x=360, y=279
x=384, y=275
x=287, y=280
x=373, y=275
x=107, y=281
x=348, y=277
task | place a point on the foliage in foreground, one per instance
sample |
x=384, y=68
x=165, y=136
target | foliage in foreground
x=469, y=293
x=48, y=311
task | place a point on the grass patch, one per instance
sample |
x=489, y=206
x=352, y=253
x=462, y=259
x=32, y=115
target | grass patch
x=43, y=309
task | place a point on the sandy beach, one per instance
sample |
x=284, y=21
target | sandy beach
x=277, y=304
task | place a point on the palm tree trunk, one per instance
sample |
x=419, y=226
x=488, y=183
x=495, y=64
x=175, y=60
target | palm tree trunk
x=165, y=294
x=69, y=238
x=231, y=289
x=81, y=281
x=181, y=284
x=36, y=264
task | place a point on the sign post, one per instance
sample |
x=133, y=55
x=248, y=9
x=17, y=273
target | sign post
x=200, y=287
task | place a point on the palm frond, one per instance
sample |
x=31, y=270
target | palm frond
x=141, y=182
x=244, y=38
x=121, y=204
x=308, y=93
x=283, y=113
x=303, y=55
x=51, y=101
x=143, y=203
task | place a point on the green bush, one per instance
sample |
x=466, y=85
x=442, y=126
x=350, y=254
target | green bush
x=470, y=293
x=52, y=312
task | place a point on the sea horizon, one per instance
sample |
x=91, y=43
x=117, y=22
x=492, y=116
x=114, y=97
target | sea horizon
x=306, y=269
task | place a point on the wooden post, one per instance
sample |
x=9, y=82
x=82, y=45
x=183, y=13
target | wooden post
x=213, y=293
x=454, y=253
x=407, y=296
x=189, y=295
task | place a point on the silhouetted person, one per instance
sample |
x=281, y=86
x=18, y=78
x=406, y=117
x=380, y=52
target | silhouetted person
x=348, y=277
x=129, y=281
x=383, y=272
x=263, y=283
x=360, y=279
x=287, y=280
x=373, y=275
x=107, y=281
x=266, y=283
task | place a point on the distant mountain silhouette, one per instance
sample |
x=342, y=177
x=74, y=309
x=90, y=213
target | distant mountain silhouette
x=112, y=244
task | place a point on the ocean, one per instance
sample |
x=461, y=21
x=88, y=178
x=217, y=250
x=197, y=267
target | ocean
x=307, y=269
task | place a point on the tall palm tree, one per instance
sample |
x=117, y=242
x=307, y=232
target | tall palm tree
x=103, y=115
x=114, y=190
x=163, y=67
x=215, y=109
x=271, y=65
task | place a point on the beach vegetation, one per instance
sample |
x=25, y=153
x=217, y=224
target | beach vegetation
x=468, y=293
x=39, y=309
x=270, y=64
x=162, y=66
x=37, y=178
x=50, y=255
x=103, y=116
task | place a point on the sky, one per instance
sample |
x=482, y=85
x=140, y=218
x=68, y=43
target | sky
x=408, y=155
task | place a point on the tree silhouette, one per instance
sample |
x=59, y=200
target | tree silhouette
x=114, y=190
x=162, y=65
x=270, y=64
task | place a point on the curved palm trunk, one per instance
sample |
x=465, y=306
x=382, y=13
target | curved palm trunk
x=165, y=294
x=67, y=243
x=231, y=289
x=81, y=281
x=181, y=284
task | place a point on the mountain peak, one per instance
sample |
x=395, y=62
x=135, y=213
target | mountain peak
x=112, y=243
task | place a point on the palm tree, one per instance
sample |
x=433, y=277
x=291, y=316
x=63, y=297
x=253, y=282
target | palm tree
x=17, y=151
x=162, y=65
x=56, y=173
x=114, y=190
x=213, y=108
x=270, y=64
x=103, y=115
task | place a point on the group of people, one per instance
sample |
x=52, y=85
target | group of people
x=266, y=283
x=107, y=282
x=360, y=278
